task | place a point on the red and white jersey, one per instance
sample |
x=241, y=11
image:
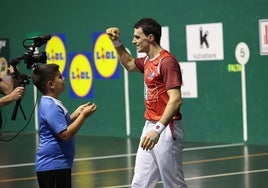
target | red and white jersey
x=160, y=74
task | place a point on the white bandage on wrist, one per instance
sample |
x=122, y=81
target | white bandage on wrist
x=117, y=43
x=159, y=127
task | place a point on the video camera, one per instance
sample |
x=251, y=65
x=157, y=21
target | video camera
x=31, y=57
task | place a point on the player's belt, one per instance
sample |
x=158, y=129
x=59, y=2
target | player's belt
x=171, y=126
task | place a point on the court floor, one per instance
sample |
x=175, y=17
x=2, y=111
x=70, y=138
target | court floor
x=103, y=162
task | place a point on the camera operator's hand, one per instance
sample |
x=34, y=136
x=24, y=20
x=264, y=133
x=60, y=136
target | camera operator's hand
x=17, y=93
x=10, y=70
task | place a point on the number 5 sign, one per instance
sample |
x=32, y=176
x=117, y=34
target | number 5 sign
x=242, y=53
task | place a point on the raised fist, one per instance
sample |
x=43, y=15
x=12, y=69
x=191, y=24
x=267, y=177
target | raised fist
x=113, y=33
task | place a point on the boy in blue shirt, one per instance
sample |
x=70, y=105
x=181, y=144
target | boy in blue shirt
x=56, y=150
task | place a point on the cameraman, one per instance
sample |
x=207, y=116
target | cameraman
x=6, y=89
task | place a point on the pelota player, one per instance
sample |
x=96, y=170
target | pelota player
x=160, y=154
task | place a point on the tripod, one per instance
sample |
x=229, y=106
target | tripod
x=23, y=80
x=18, y=105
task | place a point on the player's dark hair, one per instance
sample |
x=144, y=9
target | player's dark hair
x=150, y=26
x=42, y=74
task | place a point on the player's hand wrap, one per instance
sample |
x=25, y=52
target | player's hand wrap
x=117, y=43
x=159, y=127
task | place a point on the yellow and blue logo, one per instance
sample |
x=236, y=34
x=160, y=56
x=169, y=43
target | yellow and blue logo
x=105, y=57
x=56, y=52
x=80, y=75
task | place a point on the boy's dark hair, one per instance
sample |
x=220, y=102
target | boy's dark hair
x=150, y=26
x=42, y=74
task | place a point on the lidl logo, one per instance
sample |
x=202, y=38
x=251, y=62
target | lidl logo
x=81, y=75
x=56, y=52
x=105, y=57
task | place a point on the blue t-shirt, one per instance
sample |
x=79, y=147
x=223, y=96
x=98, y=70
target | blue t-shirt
x=53, y=153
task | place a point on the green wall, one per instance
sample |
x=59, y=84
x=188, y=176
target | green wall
x=215, y=116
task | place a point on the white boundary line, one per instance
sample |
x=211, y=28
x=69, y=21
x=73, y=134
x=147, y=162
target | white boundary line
x=205, y=177
x=214, y=146
x=227, y=174
x=125, y=155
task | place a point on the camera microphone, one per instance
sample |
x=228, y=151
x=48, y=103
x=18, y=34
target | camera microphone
x=40, y=40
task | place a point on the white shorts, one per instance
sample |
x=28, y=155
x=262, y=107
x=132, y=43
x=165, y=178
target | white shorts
x=163, y=162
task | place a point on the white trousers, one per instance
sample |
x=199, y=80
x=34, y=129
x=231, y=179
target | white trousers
x=163, y=162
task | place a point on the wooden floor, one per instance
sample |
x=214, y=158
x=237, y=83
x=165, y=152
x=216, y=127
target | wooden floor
x=109, y=162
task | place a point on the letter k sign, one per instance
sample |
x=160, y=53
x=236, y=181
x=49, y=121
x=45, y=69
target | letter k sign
x=203, y=38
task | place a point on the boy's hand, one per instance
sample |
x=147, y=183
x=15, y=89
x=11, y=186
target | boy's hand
x=89, y=109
